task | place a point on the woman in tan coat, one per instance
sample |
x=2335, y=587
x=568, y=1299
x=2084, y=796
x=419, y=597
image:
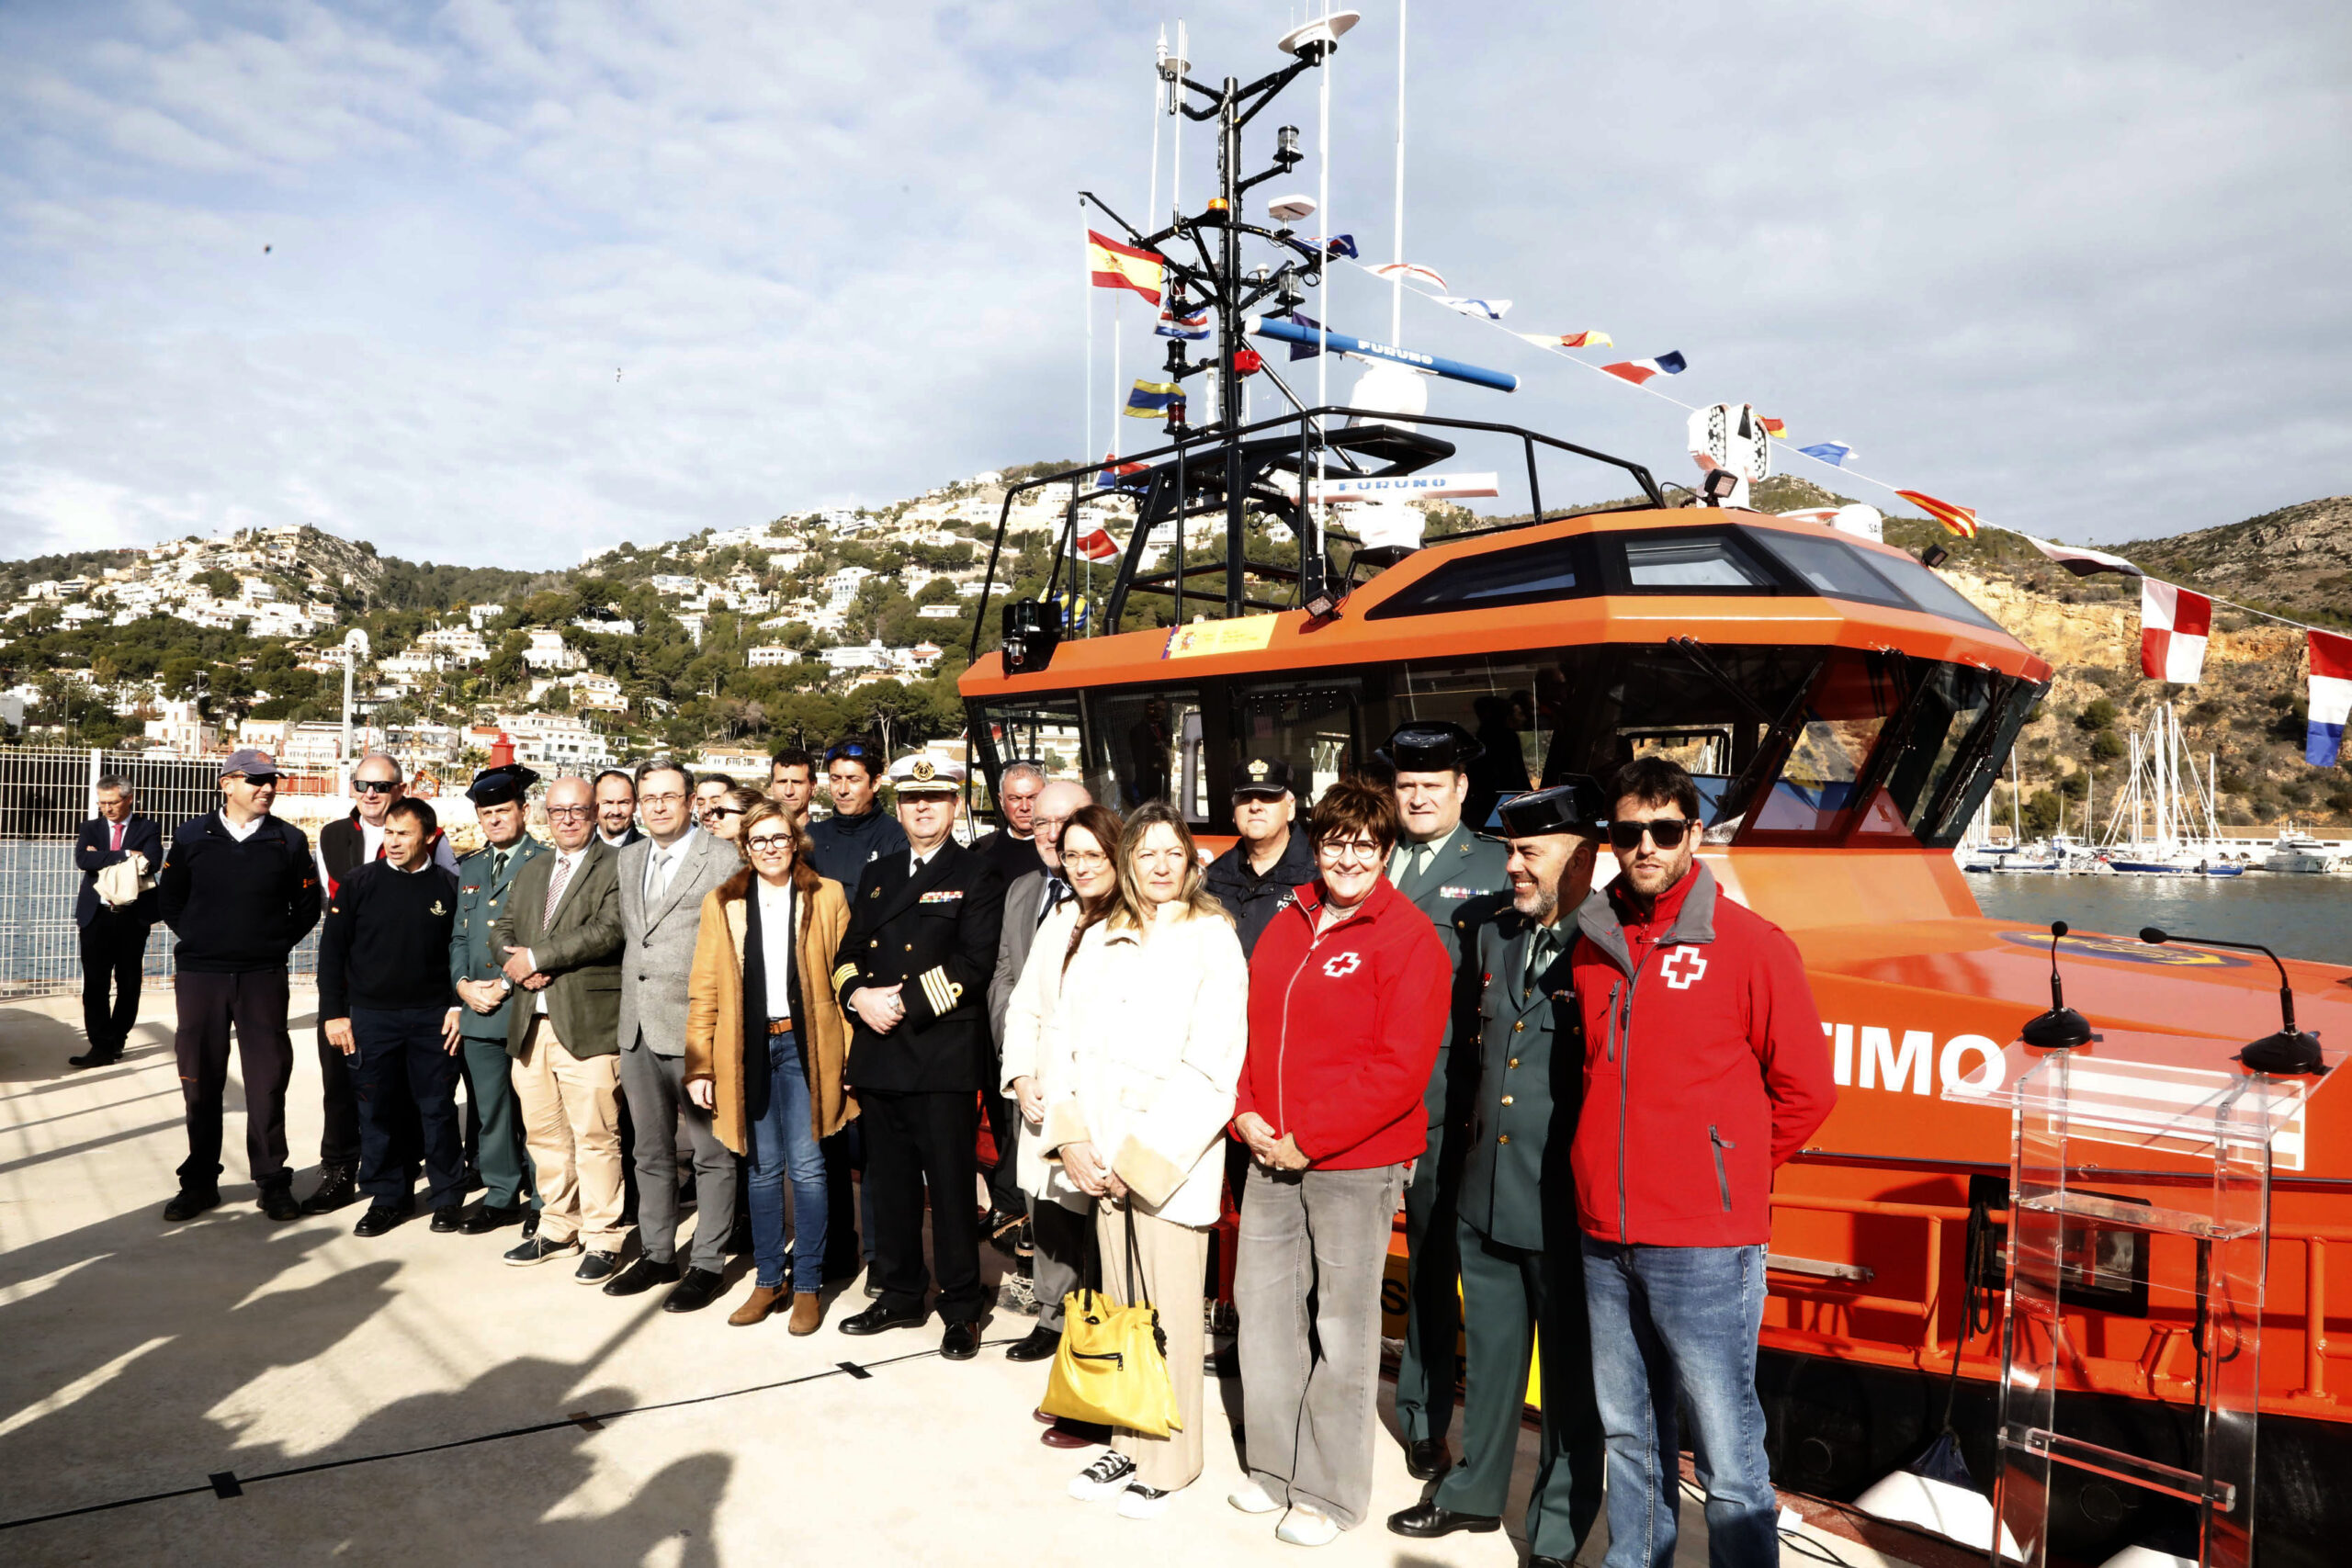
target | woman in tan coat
x=766, y=1047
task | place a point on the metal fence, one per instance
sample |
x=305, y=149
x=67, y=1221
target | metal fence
x=46, y=793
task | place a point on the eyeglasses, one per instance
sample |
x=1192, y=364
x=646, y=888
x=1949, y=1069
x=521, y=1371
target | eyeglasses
x=671, y=799
x=722, y=811
x=375, y=786
x=1085, y=861
x=1366, y=850
x=569, y=813
x=765, y=842
x=1665, y=832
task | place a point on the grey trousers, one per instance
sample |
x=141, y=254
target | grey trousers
x=1060, y=1256
x=655, y=1086
x=1309, y=1422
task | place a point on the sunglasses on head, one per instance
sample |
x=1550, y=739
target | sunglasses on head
x=1665, y=832
x=855, y=750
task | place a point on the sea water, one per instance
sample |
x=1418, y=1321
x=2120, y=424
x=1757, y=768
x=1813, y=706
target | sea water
x=2298, y=915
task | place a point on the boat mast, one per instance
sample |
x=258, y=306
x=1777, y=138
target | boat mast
x=1396, y=249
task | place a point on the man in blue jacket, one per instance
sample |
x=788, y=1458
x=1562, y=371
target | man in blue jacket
x=239, y=890
x=114, y=936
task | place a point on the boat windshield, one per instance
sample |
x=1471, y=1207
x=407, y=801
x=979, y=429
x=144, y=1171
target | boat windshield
x=1787, y=744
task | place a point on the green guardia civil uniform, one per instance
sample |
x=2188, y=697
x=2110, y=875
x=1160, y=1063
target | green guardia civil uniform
x=1522, y=1267
x=484, y=880
x=1443, y=878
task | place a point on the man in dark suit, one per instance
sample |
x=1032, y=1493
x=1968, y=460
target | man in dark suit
x=913, y=970
x=114, y=936
x=559, y=941
x=1523, y=1260
x=1440, y=863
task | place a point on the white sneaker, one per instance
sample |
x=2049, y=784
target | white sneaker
x=1304, y=1525
x=1141, y=1502
x=1109, y=1473
x=1250, y=1498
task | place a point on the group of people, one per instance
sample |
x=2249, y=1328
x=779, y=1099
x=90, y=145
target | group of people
x=1256, y=1060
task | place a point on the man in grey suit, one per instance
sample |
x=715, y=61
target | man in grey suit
x=1440, y=863
x=663, y=877
x=1062, y=1240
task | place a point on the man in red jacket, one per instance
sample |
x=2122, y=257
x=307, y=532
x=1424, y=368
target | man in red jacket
x=1705, y=1069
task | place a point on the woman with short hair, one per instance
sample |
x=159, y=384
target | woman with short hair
x=1143, y=1048
x=1349, y=990
x=765, y=1045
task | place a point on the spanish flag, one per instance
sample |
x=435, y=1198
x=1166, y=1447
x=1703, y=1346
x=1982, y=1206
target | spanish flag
x=1777, y=429
x=1958, y=519
x=1115, y=266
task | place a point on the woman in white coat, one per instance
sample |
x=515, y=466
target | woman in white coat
x=1143, y=1046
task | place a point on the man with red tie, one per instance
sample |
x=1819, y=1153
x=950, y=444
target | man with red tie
x=344, y=847
x=114, y=936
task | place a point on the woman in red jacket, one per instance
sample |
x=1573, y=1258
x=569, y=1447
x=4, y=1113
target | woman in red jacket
x=1348, y=996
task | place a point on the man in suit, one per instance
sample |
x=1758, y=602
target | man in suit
x=1441, y=865
x=913, y=972
x=1061, y=1239
x=1523, y=1260
x=485, y=882
x=114, y=936
x=560, y=943
x=663, y=877
x=617, y=809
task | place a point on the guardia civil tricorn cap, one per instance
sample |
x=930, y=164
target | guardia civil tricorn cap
x=1428, y=745
x=498, y=786
x=1573, y=805
x=1266, y=777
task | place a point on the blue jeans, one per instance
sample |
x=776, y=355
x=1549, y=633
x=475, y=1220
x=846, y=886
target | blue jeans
x=782, y=1146
x=1670, y=1319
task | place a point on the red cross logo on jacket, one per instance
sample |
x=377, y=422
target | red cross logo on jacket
x=1694, y=964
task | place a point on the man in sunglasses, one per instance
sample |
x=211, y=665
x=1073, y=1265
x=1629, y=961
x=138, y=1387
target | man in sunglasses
x=1705, y=1069
x=1441, y=865
x=346, y=845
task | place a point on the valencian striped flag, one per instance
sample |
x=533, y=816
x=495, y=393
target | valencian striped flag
x=1640, y=370
x=1115, y=266
x=1151, y=399
x=1958, y=519
x=2174, y=626
x=2331, y=698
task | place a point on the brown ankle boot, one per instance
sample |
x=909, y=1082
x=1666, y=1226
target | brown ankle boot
x=808, y=1312
x=762, y=1301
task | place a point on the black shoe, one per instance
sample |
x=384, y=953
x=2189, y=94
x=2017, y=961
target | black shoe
x=338, y=1185
x=191, y=1201
x=961, y=1342
x=474, y=1183
x=382, y=1217
x=879, y=1319
x=596, y=1267
x=489, y=1217
x=277, y=1200
x=1039, y=1347
x=97, y=1056
x=1427, y=1521
x=539, y=1249
x=641, y=1275
x=1003, y=1232
x=449, y=1220
x=1426, y=1458
x=530, y=1222
x=696, y=1290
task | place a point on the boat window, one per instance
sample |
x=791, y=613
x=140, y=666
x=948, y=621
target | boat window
x=1510, y=706
x=1313, y=727
x=1044, y=731
x=1982, y=756
x=1525, y=574
x=1146, y=745
x=1944, y=715
x=1833, y=567
x=1707, y=562
x=1930, y=591
x=1845, y=715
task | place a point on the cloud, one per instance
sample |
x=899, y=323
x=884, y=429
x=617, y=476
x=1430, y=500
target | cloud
x=2081, y=277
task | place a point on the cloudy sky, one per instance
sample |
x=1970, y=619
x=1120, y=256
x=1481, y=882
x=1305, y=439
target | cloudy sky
x=541, y=277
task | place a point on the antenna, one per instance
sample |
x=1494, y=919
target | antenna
x=2061, y=1028
x=2291, y=1050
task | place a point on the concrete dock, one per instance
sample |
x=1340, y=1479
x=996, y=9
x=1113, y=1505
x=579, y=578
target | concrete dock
x=236, y=1392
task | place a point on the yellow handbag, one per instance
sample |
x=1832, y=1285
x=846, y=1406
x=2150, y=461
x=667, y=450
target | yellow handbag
x=1112, y=1368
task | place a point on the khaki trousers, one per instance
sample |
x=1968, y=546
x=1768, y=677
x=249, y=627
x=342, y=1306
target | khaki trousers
x=571, y=1124
x=1175, y=1260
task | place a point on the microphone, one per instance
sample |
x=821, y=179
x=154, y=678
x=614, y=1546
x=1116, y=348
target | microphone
x=2291, y=1050
x=2061, y=1028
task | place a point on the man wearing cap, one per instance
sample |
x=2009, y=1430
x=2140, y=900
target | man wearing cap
x=913, y=969
x=1440, y=863
x=485, y=881
x=239, y=890
x=1521, y=1255
x=1256, y=875
x=344, y=846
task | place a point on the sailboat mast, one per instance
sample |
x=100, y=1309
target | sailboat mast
x=1396, y=249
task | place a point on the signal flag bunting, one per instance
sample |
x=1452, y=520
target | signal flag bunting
x=2173, y=627
x=2331, y=697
